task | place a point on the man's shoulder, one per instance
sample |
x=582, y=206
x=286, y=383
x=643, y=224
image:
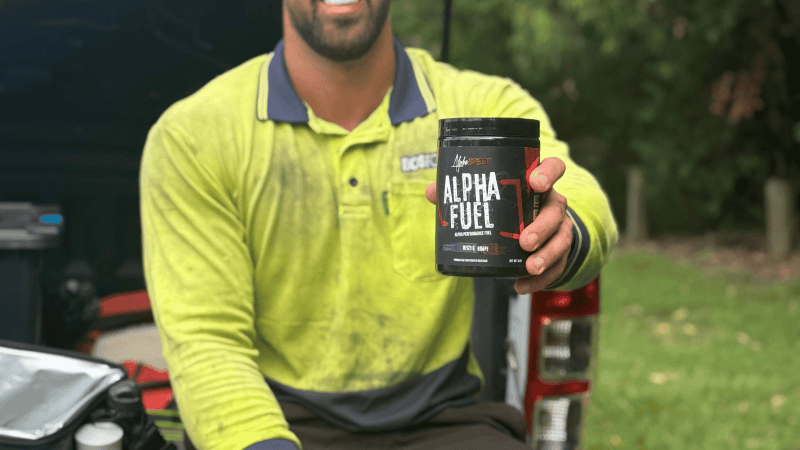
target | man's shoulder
x=231, y=95
x=460, y=91
x=438, y=72
x=433, y=69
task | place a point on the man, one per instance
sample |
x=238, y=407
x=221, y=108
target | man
x=289, y=246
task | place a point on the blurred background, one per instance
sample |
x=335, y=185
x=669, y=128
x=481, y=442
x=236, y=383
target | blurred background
x=687, y=112
x=702, y=96
x=82, y=81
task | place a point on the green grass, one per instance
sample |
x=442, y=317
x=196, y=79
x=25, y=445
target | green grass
x=692, y=361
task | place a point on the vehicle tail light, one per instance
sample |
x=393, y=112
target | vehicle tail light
x=566, y=347
x=561, y=362
x=557, y=422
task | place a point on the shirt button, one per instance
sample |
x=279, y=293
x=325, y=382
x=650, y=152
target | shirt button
x=353, y=182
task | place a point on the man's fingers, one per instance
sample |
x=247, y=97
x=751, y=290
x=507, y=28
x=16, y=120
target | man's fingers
x=549, y=171
x=555, y=248
x=548, y=263
x=548, y=220
x=430, y=193
x=539, y=282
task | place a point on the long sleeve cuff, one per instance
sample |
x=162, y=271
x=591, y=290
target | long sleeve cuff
x=577, y=253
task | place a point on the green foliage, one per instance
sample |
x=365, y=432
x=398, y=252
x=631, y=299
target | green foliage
x=697, y=93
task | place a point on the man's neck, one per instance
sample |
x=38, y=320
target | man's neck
x=344, y=93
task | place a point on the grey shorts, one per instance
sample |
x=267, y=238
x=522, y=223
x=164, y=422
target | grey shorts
x=481, y=426
x=484, y=425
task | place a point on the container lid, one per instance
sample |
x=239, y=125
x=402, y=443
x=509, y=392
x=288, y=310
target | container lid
x=43, y=391
x=489, y=126
x=24, y=226
x=99, y=436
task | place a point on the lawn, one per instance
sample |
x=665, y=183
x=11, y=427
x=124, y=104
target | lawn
x=694, y=361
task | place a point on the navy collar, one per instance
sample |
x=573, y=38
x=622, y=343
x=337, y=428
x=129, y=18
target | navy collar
x=278, y=101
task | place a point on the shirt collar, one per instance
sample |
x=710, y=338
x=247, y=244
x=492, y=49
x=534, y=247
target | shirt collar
x=411, y=97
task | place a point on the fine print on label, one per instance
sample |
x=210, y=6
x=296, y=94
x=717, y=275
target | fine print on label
x=485, y=202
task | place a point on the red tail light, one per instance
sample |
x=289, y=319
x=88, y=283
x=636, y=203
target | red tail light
x=561, y=361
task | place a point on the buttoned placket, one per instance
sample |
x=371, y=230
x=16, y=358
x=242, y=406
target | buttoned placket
x=355, y=184
x=357, y=189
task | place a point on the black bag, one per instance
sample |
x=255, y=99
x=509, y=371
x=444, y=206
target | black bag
x=47, y=394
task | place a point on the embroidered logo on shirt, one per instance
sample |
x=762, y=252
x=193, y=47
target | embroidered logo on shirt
x=413, y=163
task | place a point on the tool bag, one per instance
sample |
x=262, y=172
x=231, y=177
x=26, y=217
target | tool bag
x=47, y=394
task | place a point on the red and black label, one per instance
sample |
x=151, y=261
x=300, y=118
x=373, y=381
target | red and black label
x=484, y=203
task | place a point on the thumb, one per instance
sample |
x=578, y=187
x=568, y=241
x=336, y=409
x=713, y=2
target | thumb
x=430, y=193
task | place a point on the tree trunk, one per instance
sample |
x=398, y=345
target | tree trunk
x=636, y=218
x=778, y=208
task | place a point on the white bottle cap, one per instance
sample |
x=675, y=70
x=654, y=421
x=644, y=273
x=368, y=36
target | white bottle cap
x=99, y=436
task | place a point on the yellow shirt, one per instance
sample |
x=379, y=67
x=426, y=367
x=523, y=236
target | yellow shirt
x=285, y=255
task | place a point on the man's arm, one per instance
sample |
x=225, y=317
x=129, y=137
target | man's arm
x=575, y=231
x=200, y=281
x=573, y=235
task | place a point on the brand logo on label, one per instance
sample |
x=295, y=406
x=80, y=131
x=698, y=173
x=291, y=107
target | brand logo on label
x=413, y=163
x=469, y=198
x=463, y=162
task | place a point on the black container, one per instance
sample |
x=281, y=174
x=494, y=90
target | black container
x=484, y=200
x=58, y=436
x=26, y=232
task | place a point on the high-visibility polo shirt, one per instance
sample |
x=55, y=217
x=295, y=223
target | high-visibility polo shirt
x=281, y=247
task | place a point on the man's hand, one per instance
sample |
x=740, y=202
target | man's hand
x=549, y=237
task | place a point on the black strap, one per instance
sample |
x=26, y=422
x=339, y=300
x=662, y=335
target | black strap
x=448, y=6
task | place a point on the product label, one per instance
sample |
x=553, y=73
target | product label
x=484, y=203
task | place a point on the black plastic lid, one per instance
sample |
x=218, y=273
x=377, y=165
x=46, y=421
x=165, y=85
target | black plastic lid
x=488, y=126
x=125, y=398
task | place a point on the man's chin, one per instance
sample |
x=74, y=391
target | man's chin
x=344, y=53
x=348, y=40
x=340, y=36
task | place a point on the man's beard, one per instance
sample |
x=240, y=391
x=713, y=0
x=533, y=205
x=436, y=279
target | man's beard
x=309, y=29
